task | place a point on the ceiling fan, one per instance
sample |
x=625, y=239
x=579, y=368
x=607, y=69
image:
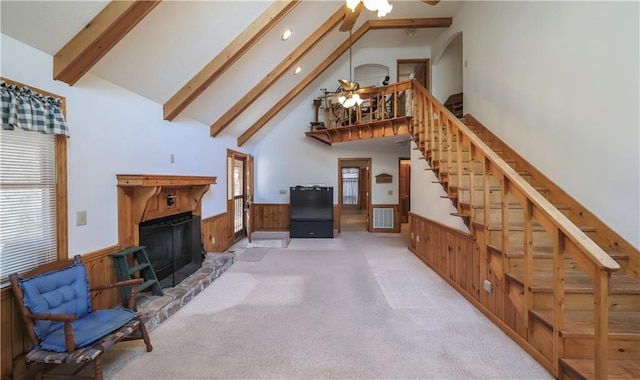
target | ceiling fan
x=354, y=7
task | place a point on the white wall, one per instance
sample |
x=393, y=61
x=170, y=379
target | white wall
x=446, y=72
x=286, y=157
x=559, y=82
x=114, y=131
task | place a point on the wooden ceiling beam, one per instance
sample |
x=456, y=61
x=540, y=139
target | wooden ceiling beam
x=276, y=73
x=417, y=23
x=350, y=17
x=101, y=34
x=368, y=25
x=322, y=66
x=227, y=57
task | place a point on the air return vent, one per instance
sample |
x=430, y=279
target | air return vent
x=382, y=217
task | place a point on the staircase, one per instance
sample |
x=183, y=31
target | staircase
x=572, y=281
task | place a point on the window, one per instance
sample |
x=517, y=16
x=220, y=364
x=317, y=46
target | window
x=28, y=200
x=350, y=179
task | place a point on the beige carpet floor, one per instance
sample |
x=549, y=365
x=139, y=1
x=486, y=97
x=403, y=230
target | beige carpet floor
x=359, y=306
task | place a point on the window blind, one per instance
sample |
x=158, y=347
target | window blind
x=27, y=201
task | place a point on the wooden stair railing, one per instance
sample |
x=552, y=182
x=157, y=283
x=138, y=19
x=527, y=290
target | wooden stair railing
x=475, y=175
x=384, y=112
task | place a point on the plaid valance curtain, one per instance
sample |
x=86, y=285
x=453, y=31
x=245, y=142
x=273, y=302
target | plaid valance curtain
x=28, y=110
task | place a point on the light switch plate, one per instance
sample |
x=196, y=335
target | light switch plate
x=81, y=218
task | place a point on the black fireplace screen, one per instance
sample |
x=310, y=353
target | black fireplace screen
x=174, y=246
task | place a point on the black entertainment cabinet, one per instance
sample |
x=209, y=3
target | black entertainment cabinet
x=311, y=212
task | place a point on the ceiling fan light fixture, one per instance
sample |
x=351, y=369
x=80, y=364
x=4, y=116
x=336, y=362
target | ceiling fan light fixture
x=384, y=8
x=381, y=6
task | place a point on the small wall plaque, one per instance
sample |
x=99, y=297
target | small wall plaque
x=384, y=178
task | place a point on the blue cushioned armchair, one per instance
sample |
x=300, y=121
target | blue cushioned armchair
x=55, y=303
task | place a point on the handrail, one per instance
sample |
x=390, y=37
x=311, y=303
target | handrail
x=599, y=265
x=597, y=255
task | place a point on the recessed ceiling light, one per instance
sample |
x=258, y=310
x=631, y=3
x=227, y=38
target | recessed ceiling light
x=297, y=70
x=287, y=33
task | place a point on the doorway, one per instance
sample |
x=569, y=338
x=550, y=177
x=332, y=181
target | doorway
x=354, y=189
x=418, y=69
x=239, y=194
x=404, y=188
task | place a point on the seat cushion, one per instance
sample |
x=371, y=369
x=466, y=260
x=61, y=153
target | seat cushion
x=64, y=291
x=84, y=354
x=89, y=328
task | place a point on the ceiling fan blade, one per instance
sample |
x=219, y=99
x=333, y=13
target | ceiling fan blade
x=350, y=17
x=348, y=85
x=431, y=2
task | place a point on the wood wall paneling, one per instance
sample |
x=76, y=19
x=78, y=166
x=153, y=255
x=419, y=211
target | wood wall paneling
x=217, y=228
x=271, y=216
x=456, y=257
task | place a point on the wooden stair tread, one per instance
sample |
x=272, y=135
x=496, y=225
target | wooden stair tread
x=618, y=369
x=577, y=282
x=546, y=252
x=513, y=205
x=580, y=323
x=520, y=227
x=540, y=189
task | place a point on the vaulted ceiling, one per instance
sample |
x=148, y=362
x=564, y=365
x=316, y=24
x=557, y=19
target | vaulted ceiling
x=222, y=63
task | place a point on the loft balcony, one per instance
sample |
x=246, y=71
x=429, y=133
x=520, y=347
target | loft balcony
x=385, y=111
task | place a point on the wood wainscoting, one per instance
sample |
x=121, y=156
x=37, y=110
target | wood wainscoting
x=216, y=232
x=275, y=217
x=456, y=257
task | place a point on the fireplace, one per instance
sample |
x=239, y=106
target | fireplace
x=162, y=213
x=174, y=246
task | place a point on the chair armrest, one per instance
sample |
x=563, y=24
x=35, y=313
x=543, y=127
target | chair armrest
x=132, y=295
x=135, y=281
x=69, y=339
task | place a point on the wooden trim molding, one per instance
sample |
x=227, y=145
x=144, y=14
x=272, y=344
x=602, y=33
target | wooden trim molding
x=101, y=34
x=227, y=57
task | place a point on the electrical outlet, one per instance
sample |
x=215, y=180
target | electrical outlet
x=487, y=286
x=213, y=240
x=81, y=218
x=282, y=192
x=417, y=238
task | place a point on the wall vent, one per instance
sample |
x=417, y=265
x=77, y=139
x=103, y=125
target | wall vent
x=382, y=217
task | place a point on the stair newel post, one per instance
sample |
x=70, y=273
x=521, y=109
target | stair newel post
x=601, y=310
x=527, y=248
x=558, y=298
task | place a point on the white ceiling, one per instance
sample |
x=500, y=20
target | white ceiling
x=177, y=38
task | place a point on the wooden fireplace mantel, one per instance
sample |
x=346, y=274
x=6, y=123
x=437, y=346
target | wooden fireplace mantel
x=143, y=197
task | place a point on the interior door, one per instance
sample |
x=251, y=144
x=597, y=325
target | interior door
x=249, y=186
x=364, y=190
x=404, y=189
x=367, y=186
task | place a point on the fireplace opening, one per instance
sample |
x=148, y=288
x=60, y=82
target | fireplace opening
x=174, y=246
